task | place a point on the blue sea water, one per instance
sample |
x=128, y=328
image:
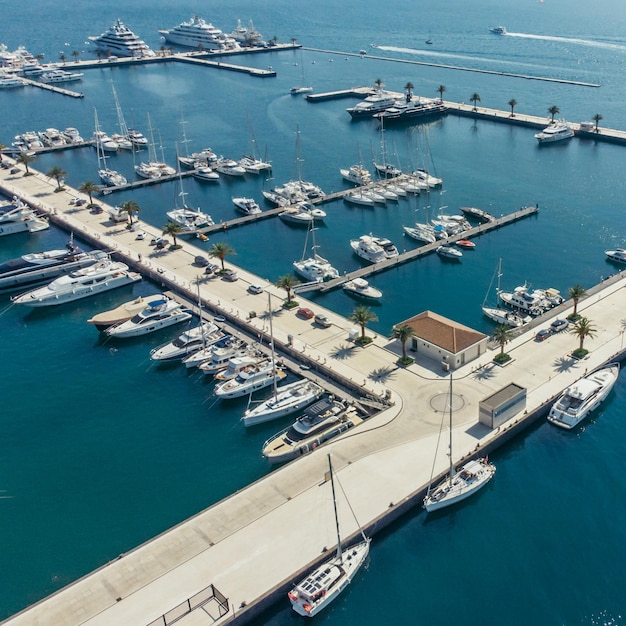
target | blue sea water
x=102, y=451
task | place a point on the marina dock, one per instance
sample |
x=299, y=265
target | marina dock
x=53, y=88
x=228, y=563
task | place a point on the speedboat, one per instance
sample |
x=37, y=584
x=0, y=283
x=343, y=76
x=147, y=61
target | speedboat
x=421, y=232
x=448, y=252
x=320, y=422
x=360, y=287
x=249, y=380
x=206, y=173
x=187, y=342
x=294, y=91
x=297, y=216
x=585, y=395
x=247, y=206
x=196, y=33
x=466, y=244
x=20, y=218
x=121, y=41
x=52, y=137
x=357, y=175
x=287, y=399
x=72, y=136
x=315, y=211
x=35, y=268
x=506, y=316
x=82, y=283
x=367, y=248
x=123, y=312
x=191, y=221
x=619, y=255
x=137, y=138
x=157, y=314
x=498, y=30
x=557, y=131
x=478, y=214
x=275, y=198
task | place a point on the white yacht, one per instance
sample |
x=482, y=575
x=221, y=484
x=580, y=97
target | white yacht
x=320, y=422
x=191, y=221
x=585, y=395
x=248, y=206
x=378, y=101
x=360, y=197
x=82, y=283
x=206, y=173
x=156, y=315
x=285, y=400
x=421, y=232
x=36, y=268
x=52, y=137
x=250, y=380
x=328, y=580
x=137, y=138
x=297, y=216
x=216, y=355
x=123, y=312
x=506, y=316
x=360, y=287
x=253, y=165
x=71, y=135
x=229, y=167
x=356, y=174
x=196, y=33
x=235, y=365
x=533, y=302
x=20, y=218
x=448, y=252
x=187, y=342
x=10, y=82
x=60, y=76
x=121, y=41
x=367, y=248
x=556, y=131
x=619, y=255
x=247, y=35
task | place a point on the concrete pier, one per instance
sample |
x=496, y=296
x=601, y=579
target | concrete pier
x=230, y=561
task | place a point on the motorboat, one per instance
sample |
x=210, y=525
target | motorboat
x=498, y=30
x=619, y=255
x=585, y=395
x=478, y=214
x=297, y=216
x=432, y=181
x=462, y=482
x=506, y=316
x=105, y=142
x=362, y=197
x=421, y=232
x=366, y=248
x=121, y=41
x=391, y=252
x=196, y=33
x=521, y=298
x=330, y=578
x=275, y=198
x=206, y=173
x=356, y=174
x=72, y=136
x=20, y=218
x=285, y=400
x=35, y=268
x=60, y=76
x=360, y=287
x=248, y=206
x=157, y=314
x=556, y=131
x=123, y=312
x=215, y=357
x=448, y=252
x=320, y=422
x=317, y=213
x=249, y=380
x=300, y=89
x=52, y=137
x=10, y=82
x=386, y=170
x=229, y=167
x=191, y=340
x=466, y=244
x=137, y=138
x=30, y=140
x=234, y=365
x=254, y=166
x=191, y=221
x=315, y=268
x=247, y=35
x=82, y=283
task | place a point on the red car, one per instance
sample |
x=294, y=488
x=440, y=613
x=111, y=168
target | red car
x=307, y=314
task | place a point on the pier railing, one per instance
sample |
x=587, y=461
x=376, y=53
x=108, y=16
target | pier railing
x=200, y=599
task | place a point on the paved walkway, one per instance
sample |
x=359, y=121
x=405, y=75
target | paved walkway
x=241, y=544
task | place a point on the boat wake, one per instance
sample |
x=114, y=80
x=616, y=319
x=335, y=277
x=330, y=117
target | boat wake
x=573, y=40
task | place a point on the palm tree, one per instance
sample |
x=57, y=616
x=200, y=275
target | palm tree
x=512, y=103
x=441, y=89
x=130, y=207
x=62, y=57
x=2, y=147
x=162, y=51
x=475, y=98
x=287, y=282
x=99, y=54
x=403, y=333
x=409, y=91
x=502, y=336
x=58, y=174
x=75, y=54
x=553, y=110
x=200, y=47
x=221, y=250
x=293, y=42
x=576, y=293
x=361, y=316
x=25, y=159
x=378, y=83
x=583, y=328
x=596, y=118
x=39, y=57
x=173, y=229
x=89, y=188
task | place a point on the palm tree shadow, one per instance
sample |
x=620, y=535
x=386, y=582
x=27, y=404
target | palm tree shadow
x=382, y=374
x=622, y=323
x=562, y=364
x=486, y=372
x=342, y=352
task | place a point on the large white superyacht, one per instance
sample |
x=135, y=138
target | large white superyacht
x=196, y=33
x=120, y=40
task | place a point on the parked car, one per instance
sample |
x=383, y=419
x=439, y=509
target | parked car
x=230, y=275
x=201, y=261
x=305, y=313
x=558, y=325
x=542, y=335
x=255, y=289
x=323, y=321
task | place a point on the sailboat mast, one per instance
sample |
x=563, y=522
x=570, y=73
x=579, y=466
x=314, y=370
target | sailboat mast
x=332, y=484
x=269, y=310
x=450, y=444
